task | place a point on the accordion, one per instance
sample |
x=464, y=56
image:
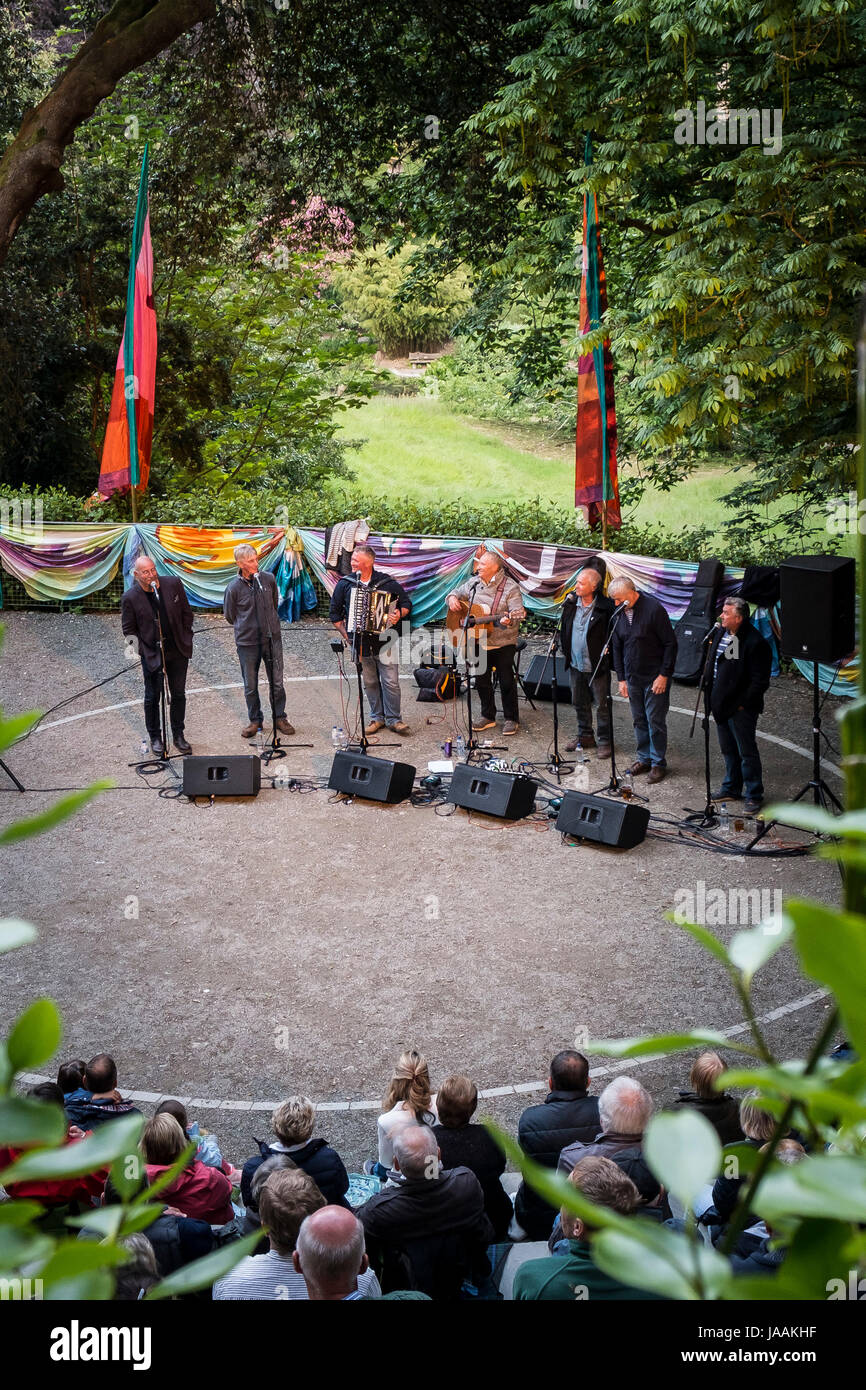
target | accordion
x=368, y=610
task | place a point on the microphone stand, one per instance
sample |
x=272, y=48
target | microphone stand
x=466, y=622
x=11, y=775
x=614, y=783
x=556, y=764
x=707, y=817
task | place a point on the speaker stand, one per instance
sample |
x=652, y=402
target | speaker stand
x=707, y=818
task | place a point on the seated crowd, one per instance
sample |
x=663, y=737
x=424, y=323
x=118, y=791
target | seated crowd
x=434, y=1215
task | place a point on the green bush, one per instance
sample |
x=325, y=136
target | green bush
x=403, y=309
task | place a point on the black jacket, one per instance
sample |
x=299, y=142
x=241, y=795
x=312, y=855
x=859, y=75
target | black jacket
x=318, y=1160
x=723, y=1113
x=646, y=647
x=137, y=619
x=470, y=1146
x=597, y=632
x=743, y=678
x=339, y=609
x=251, y=611
x=542, y=1133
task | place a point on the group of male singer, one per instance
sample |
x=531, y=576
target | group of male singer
x=633, y=626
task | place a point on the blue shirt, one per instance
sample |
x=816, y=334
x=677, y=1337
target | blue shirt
x=580, y=658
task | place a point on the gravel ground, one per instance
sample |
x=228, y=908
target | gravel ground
x=290, y=943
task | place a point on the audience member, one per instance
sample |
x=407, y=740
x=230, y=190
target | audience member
x=575, y=1276
x=198, y=1191
x=330, y=1255
x=430, y=1230
x=133, y=1279
x=54, y=1192
x=286, y=1198
x=624, y=1109
x=176, y=1239
x=98, y=1099
x=292, y=1124
x=207, y=1150
x=568, y=1114
x=70, y=1075
x=722, y=1110
x=408, y=1100
x=758, y=1250
x=757, y=1126
x=464, y=1145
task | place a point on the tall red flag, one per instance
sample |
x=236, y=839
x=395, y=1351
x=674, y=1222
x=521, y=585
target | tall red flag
x=129, y=433
x=596, y=490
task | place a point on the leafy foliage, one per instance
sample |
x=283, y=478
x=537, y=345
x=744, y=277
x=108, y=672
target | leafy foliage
x=385, y=299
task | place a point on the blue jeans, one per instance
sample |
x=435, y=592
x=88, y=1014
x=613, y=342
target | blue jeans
x=251, y=659
x=382, y=684
x=649, y=715
x=739, y=747
x=584, y=695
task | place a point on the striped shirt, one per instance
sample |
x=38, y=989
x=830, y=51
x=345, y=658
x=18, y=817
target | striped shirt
x=273, y=1276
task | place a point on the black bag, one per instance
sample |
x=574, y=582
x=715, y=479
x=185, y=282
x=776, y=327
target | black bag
x=437, y=683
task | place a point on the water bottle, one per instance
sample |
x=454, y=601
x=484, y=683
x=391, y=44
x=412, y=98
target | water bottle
x=335, y=739
x=460, y=746
x=342, y=741
x=627, y=786
x=144, y=750
x=724, y=818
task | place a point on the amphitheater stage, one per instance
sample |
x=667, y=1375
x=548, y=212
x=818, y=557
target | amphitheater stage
x=238, y=952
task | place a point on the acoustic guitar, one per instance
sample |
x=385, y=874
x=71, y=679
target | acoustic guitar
x=480, y=619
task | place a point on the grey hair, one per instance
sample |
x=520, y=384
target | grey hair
x=143, y=1254
x=624, y=1107
x=244, y=549
x=589, y=571
x=264, y=1170
x=623, y=582
x=324, y=1263
x=141, y=560
x=414, y=1145
x=739, y=604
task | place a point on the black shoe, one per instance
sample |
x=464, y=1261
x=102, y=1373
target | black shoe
x=723, y=795
x=181, y=744
x=752, y=808
x=158, y=747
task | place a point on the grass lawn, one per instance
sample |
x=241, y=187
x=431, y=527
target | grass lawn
x=416, y=447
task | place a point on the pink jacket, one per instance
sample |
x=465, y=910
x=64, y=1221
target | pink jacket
x=200, y=1192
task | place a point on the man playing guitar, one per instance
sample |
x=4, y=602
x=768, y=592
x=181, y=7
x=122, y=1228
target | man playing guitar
x=500, y=600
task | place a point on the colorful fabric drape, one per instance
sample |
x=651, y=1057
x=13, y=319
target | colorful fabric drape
x=67, y=562
x=129, y=433
x=595, y=476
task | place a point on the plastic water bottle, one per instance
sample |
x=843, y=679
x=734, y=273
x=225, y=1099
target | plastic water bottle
x=724, y=818
x=335, y=739
x=460, y=747
x=144, y=750
x=342, y=741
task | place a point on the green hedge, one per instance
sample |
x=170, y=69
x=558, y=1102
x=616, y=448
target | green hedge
x=531, y=521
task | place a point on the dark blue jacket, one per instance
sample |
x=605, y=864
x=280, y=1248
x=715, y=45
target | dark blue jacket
x=743, y=677
x=646, y=647
x=542, y=1133
x=81, y=1109
x=318, y=1160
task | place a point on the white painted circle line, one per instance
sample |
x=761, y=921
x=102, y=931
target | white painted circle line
x=519, y=1088
x=295, y=680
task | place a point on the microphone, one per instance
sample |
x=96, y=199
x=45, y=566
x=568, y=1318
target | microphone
x=621, y=606
x=258, y=582
x=154, y=586
x=716, y=624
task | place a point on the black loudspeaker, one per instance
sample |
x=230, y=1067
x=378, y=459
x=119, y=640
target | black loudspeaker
x=545, y=692
x=375, y=778
x=607, y=822
x=817, y=598
x=238, y=774
x=503, y=794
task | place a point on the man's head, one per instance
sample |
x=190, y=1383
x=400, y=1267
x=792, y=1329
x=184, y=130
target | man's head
x=456, y=1101
x=587, y=582
x=100, y=1074
x=735, y=611
x=624, y=1107
x=622, y=590
x=489, y=566
x=704, y=1074
x=363, y=557
x=569, y=1071
x=600, y=1181
x=292, y=1122
x=330, y=1253
x=144, y=571
x=416, y=1153
x=286, y=1198
x=246, y=560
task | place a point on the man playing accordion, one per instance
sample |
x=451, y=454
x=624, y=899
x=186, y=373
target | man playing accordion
x=361, y=612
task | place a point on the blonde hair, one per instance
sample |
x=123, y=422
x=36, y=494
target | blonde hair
x=410, y=1083
x=292, y=1122
x=163, y=1141
x=755, y=1123
x=705, y=1072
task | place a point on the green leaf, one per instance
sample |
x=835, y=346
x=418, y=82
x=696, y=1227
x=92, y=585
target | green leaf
x=829, y=1186
x=666, y=1042
x=662, y=1261
x=36, y=1035
x=14, y=933
x=22, y=1245
x=99, y=1150
x=74, y=1257
x=202, y=1273
x=114, y=1222
x=19, y=1213
x=749, y=950
x=25, y=1123
x=91, y=1286
x=705, y=938
x=832, y=950
x=12, y=729
x=824, y=1100
x=684, y=1152
x=46, y=820
x=850, y=823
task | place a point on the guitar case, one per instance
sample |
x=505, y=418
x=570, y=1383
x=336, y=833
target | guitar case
x=697, y=621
